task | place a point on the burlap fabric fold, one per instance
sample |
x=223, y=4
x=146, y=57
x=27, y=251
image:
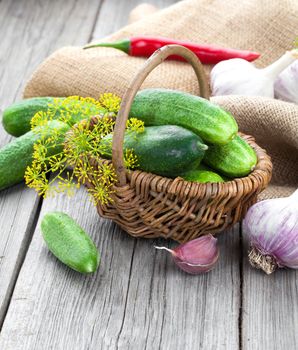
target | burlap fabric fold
x=266, y=26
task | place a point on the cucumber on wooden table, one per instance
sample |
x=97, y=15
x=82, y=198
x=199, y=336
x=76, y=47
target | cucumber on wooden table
x=166, y=107
x=69, y=242
x=16, y=118
x=166, y=150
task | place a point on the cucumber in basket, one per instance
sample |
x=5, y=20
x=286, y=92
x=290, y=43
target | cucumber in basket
x=235, y=159
x=202, y=175
x=16, y=118
x=164, y=106
x=69, y=242
x=17, y=155
x=166, y=150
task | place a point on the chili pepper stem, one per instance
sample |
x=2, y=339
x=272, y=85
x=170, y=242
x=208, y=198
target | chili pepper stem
x=267, y=263
x=123, y=45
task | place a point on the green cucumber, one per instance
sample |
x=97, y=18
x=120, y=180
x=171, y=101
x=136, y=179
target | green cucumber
x=163, y=106
x=234, y=159
x=16, y=118
x=202, y=176
x=17, y=155
x=165, y=150
x=69, y=242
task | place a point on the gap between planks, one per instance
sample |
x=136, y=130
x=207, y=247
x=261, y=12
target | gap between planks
x=22, y=254
x=24, y=24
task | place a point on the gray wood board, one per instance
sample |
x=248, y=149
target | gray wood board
x=114, y=15
x=138, y=299
x=270, y=308
x=30, y=30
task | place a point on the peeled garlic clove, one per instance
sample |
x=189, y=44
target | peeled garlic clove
x=272, y=228
x=197, y=256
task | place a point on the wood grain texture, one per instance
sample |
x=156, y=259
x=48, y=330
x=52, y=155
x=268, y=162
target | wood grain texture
x=18, y=207
x=137, y=299
x=270, y=308
x=30, y=30
x=114, y=15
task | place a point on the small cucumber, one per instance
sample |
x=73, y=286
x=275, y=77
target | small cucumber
x=234, y=159
x=16, y=118
x=166, y=107
x=166, y=150
x=69, y=242
x=202, y=176
x=17, y=155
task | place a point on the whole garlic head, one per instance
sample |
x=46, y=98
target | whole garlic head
x=286, y=84
x=239, y=77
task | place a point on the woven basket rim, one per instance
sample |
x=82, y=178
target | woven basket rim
x=259, y=177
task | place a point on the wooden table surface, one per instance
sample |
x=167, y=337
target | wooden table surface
x=138, y=299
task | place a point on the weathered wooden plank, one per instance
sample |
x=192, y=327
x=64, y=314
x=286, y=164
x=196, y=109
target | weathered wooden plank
x=30, y=31
x=114, y=15
x=136, y=300
x=53, y=307
x=270, y=308
x=168, y=309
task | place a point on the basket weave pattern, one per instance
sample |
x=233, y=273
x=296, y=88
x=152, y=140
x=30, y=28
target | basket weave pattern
x=150, y=206
x=153, y=206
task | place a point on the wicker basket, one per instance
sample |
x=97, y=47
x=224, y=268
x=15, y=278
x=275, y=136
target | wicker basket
x=147, y=205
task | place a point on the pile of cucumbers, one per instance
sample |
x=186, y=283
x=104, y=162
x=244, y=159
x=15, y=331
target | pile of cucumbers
x=184, y=136
x=187, y=136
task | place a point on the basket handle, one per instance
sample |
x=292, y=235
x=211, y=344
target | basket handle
x=153, y=61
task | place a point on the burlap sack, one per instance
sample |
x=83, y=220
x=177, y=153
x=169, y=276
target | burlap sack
x=267, y=26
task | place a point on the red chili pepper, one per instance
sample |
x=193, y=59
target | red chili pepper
x=145, y=46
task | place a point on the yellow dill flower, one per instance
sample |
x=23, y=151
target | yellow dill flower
x=82, y=171
x=82, y=146
x=100, y=193
x=57, y=162
x=130, y=159
x=39, y=152
x=66, y=184
x=110, y=102
x=33, y=174
x=41, y=185
x=104, y=126
x=106, y=173
x=135, y=125
x=39, y=119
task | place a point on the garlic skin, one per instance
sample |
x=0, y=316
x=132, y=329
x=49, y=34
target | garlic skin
x=286, y=84
x=239, y=77
x=197, y=256
x=272, y=228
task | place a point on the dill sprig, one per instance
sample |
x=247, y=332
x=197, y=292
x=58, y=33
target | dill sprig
x=82, y=145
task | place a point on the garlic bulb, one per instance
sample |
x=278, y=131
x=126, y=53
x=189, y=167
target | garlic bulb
x=197, y=256
x=272, y=228
x=240, y=77
x=286, y=84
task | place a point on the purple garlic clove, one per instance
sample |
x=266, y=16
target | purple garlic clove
x=197, y=256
